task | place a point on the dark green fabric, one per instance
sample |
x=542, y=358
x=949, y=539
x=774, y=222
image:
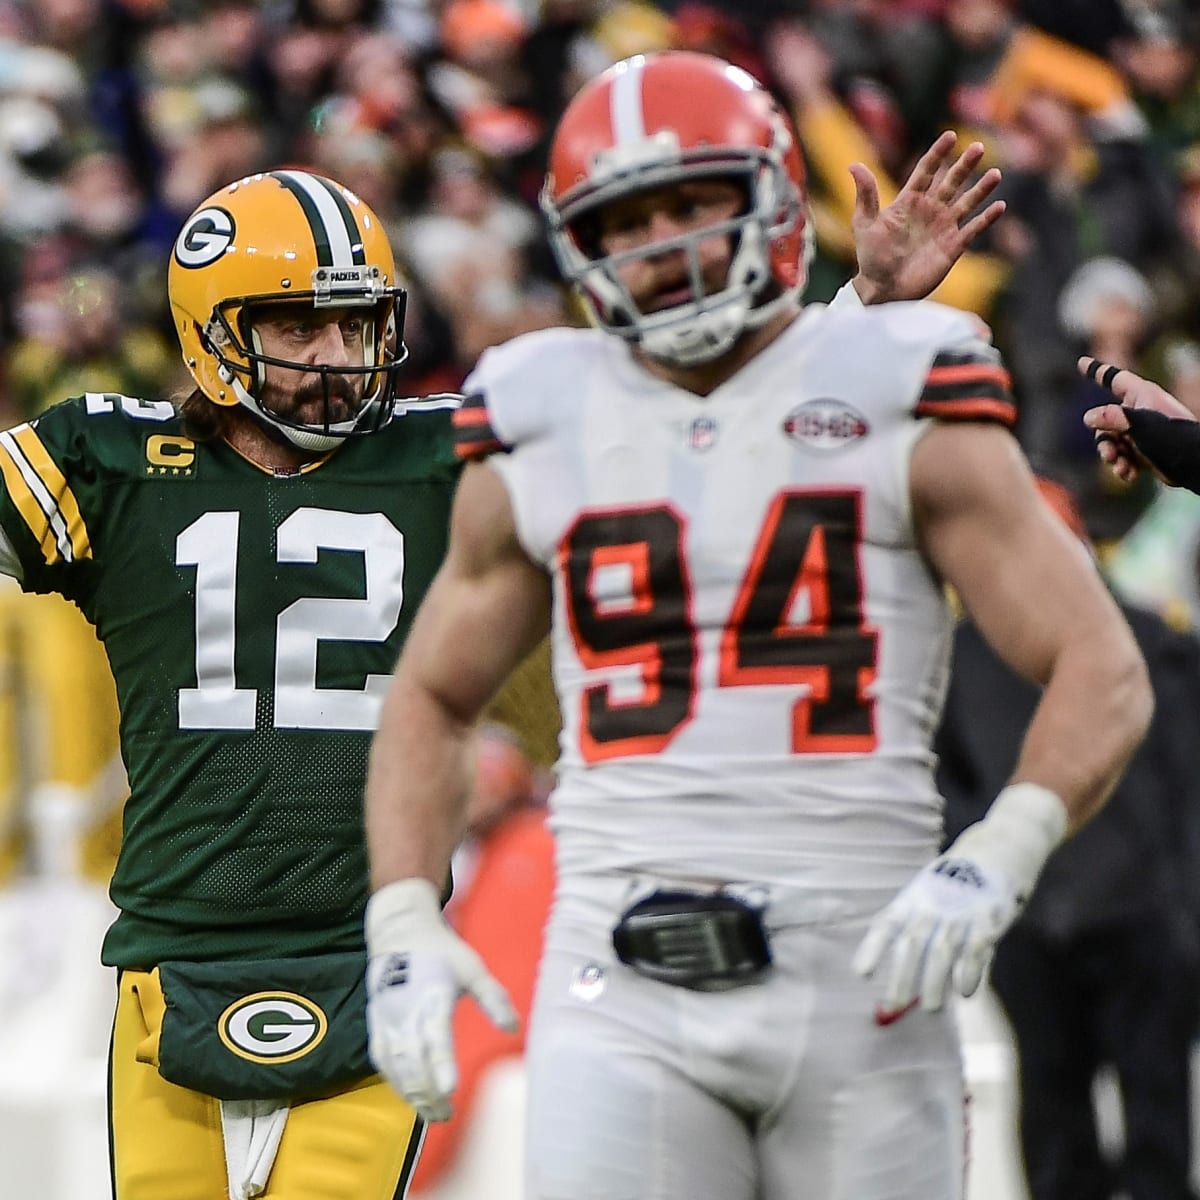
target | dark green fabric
x=229, y=1026
x=243, y=834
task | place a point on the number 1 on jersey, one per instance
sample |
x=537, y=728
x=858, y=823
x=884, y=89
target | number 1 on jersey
x=210, y=544
x=797, y=620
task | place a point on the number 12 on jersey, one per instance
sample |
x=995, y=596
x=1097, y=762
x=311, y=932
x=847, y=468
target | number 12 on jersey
x=797, y=620
x=210, y=545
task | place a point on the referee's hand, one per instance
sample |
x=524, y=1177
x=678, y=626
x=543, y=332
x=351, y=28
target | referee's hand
x=1109, y=422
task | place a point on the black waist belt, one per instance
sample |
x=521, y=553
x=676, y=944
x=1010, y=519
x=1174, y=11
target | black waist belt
x=693, y=939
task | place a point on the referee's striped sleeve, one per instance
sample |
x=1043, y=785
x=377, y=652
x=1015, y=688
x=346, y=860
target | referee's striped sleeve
x=474, y=437
x=968, y=384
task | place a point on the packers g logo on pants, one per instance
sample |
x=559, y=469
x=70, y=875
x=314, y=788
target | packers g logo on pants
x=272, y=1027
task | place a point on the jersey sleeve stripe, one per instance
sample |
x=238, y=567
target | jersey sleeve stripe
x=969, y=408
x=967, y=373
x=940, y=393
x=968, y=383
x=470, y=417
x=474, y=436
x=42, y=497
x=68, y=506
x=480, y=448
x=21, y=494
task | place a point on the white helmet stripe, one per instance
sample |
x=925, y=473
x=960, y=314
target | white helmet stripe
x=324, y=211
x=625, y=102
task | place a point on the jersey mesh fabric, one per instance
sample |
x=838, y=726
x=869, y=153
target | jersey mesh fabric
x=243, y=831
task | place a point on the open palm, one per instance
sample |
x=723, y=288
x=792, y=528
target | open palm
x=907, y=249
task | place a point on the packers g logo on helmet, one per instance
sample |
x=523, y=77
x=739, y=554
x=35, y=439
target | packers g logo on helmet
x=272, y=1027
x=206, y=236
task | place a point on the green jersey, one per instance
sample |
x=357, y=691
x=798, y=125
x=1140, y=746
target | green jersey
x=251, y=621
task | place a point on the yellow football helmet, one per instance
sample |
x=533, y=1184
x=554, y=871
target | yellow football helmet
x=285, y=236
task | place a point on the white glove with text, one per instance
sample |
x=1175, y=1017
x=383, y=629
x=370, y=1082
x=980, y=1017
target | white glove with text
x=946, y=921
x=417, y=967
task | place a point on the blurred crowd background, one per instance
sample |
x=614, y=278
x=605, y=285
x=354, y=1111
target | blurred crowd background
x=118, y=116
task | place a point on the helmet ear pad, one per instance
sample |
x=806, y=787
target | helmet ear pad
x=215, y=366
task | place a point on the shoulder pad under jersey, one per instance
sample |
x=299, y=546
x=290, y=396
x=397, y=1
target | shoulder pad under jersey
x=517, y=387
x=925, y=358
x=964, y=377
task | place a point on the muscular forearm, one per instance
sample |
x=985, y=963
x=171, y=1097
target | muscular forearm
x=417, y=786
x=1091, y=718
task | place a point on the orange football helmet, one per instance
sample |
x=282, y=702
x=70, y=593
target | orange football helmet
x=657, y=119
x=285, y=236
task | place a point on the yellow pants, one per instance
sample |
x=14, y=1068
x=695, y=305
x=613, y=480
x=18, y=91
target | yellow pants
x=359, y=1144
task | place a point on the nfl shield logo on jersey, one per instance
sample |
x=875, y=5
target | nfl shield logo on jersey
x=702, y=433
x=825, y=424
x=587, y=982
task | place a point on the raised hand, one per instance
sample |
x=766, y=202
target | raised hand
x=907, y=249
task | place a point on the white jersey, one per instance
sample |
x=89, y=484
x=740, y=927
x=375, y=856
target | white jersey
x=749, y=651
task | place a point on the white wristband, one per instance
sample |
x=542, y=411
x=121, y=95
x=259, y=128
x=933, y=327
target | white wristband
x=398, y=906
x=1022, y=827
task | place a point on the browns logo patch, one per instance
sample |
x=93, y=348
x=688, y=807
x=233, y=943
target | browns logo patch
x=825, y=424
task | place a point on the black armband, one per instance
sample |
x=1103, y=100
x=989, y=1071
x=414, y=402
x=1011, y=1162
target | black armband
x=1171, y=445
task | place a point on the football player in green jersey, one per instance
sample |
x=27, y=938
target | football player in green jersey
x=251, y=558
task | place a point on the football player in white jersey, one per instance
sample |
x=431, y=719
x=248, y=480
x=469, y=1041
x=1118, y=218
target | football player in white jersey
x=737, y=517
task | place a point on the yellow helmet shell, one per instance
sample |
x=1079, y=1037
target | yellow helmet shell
x=276, y=236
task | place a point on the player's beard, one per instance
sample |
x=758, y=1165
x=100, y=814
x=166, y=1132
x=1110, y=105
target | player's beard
x=324, y=401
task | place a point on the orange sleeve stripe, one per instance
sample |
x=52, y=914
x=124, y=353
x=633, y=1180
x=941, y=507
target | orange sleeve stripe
x=474, y=436
x=469, y=416
x=968, y=373
x=479, y=448
x=970, y=408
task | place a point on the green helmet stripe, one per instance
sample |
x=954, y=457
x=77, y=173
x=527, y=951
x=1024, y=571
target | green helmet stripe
x=336, y=234
x=358, y=253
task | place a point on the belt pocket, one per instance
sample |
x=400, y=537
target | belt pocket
x=264, y=1029
x=693, y=939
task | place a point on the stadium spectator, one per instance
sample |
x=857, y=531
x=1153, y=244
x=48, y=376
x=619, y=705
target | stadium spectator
x=1102, y=969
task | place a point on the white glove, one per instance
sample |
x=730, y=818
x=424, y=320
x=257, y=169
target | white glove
x=947, y=920
x=417, y=967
